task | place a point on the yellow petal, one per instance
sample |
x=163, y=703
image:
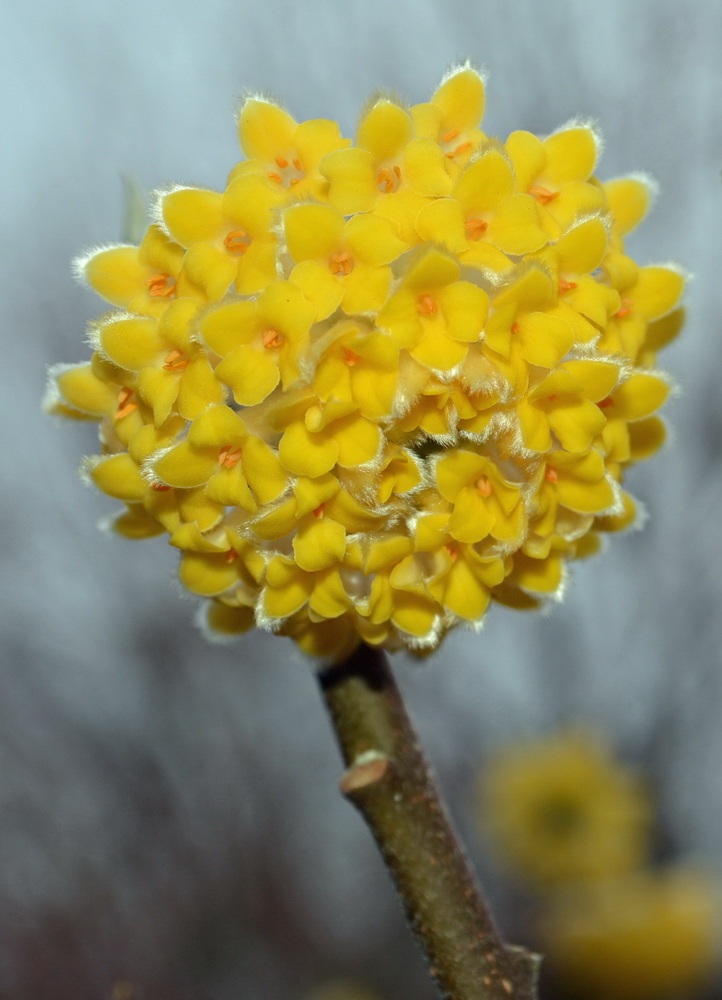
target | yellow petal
x=414, y=614
x=629, y=200
x=352, y=187
x=264, y=129
x=545, y=339
x=228, y=486
x=207, y=574
x=81, y=388
x=251, y=374
x=319, y=543
x=319, y=286
x=131, y=343
x=464, y=595
x=184, y=466
x=358, y=440
x=119, y=477
x=657, y=291
x=306, y=454
x=228, y=326
x=526, y=152
x=640, y=396
x=116, y=273
x=263, y=470
x=216, y=427
x=516, y=227
x=384, y=130
x=465, y=307
x=373, y=240
x=461, y=98
x=442, y=221
x=646, y=437
x=571, y=154
x=311, y=493
x=192, y=215
x=365, y=289
x=472, y=518
x=485, y=182
x=424, y=169
x=209, y=269
x=250, y=202
x=198, y=388
x=596, y=378
x=577, y=424
x=584, y=497
x=313, y=232
x=582, y=247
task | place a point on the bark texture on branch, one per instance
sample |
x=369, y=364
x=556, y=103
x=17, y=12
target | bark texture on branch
x=390, y=783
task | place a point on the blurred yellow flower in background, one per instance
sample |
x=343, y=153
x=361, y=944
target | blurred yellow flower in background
x=372, y=386
x=645, y=937
x=342, y=989
x=561, y=810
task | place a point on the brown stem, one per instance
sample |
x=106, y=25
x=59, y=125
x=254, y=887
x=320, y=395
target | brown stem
x=389, y=782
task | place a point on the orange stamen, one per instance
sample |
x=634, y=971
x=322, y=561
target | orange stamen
x=275, y=176
x=228, y=457
x=397, y=171
x=341, y=262
x=297, y=164
x=385, y=180
x=566, y=286
x=514, y=327
x=161, y=285
x=451, y=134
x=553, y=398
x=294, y=181
x=125, y=406
x=350, y=357
x=483, y=485
x=176, y=362
x=427, y=306
x=232, y=556
x=272, y=338
x=551, y=475
x=459, y=149
x=159, y=487
x=237, y=242
x=318, y=512
x=453, y=552
x=282, y=161
x=604, y=403
x=625, y=310
x=475, y=228
x=542, y=194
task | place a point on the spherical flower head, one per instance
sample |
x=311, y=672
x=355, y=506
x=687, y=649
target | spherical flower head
x=561, y=810
x=374, y=385
x=651, y=936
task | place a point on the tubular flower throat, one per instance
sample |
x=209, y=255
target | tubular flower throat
x=372, y=386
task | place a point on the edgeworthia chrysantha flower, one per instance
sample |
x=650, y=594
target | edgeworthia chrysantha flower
x=373, y=385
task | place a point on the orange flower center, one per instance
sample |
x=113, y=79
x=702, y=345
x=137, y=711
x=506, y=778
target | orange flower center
x=387, y=179
x=483, y=485
x=427, y=305
x=341, y=263
x=290, y=171
x=161, y=285
x=237, y=242
x=625, y=310
x=551, y=475
x=125, y=404
x=228, y=456
x=475, y=228
x=272, y=338
x=566, y=286
x=543, y=195
x=350, y=357
x=176, y=361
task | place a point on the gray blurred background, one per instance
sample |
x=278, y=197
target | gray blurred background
x=168, y=808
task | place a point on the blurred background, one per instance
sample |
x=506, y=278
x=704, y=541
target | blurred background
x=170, y=825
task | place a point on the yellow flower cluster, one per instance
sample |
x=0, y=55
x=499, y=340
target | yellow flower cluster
x=561, y=810
x=371, y=386
x=576, y=825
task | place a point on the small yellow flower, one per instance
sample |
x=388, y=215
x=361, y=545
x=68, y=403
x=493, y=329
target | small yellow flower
x=649, y=936
x=369, y=387
x=562, y=810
